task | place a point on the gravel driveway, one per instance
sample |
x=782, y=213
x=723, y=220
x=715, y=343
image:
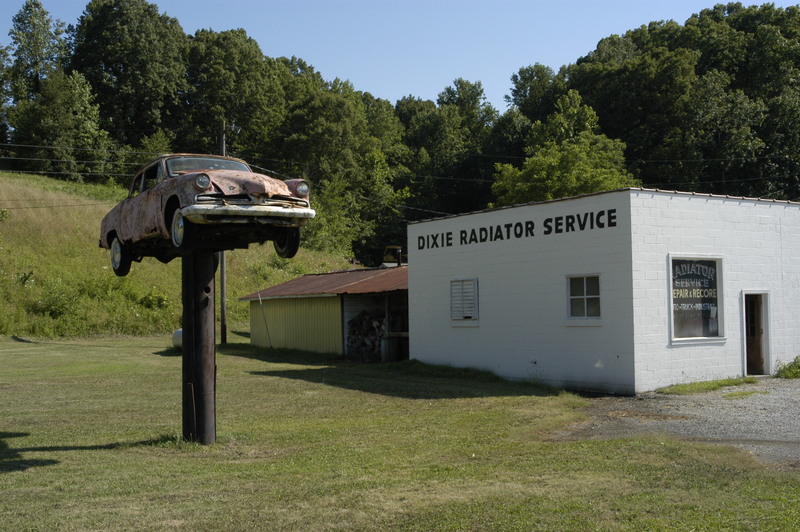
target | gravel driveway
x=766, y=423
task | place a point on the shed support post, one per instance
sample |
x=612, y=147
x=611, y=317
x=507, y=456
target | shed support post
x=199, y=348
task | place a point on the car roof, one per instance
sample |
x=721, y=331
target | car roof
x=178, y=155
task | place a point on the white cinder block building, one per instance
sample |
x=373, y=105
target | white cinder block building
x=621, y=292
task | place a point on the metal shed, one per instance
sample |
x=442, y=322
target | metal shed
x=359, y=313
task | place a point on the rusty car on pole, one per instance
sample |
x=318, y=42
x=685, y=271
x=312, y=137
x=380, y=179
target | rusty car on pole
x=180, y=203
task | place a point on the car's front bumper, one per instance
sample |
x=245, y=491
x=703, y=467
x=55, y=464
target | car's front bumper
x=265, y=214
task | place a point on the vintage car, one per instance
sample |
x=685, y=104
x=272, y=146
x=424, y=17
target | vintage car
x=181, y=203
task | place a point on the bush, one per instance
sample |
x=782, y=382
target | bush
x=790, y=370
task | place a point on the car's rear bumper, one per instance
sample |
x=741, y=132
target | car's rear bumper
x=211, y=214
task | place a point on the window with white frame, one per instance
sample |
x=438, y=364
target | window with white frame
x=584, y=296
x=464, y=299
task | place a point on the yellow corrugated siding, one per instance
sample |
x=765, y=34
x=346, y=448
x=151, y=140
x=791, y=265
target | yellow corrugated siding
x=310, y=324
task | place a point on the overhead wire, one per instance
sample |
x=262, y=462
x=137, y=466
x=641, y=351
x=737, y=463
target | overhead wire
x=411, y=178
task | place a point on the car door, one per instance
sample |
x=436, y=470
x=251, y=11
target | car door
x=139, y=214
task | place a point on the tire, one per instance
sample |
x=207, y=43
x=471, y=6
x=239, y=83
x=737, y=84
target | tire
x=181, y=232
x=121, y=258
x=287, y=242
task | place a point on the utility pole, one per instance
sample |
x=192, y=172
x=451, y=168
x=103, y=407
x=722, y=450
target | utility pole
x=223, y=306
x=199, y=348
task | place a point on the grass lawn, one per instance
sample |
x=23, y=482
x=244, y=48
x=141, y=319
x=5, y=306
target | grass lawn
x=89, y=441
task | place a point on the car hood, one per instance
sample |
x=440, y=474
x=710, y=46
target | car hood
x=232, y=182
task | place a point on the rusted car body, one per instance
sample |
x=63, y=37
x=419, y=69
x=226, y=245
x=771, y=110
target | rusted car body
x=180, y=203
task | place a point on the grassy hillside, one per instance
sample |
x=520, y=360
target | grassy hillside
x=56, y=281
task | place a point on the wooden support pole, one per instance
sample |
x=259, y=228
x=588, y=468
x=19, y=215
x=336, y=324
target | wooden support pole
x=199, y=348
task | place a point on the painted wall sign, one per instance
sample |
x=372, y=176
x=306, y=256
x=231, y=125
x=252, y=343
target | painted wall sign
x=518, y=230
x=695, y=298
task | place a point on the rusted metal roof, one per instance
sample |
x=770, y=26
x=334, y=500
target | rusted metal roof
x=364, y=281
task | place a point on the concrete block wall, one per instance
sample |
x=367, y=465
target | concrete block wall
x=523, y=330
x=758, y=243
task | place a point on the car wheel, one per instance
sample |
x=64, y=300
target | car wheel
x=287, y=242
x=120, y=258
x=181, y=231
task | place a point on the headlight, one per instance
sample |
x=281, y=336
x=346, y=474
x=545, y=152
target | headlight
x=302, y=189
x=202, y=181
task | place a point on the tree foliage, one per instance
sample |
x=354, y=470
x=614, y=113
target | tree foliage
x=233, y=90
x=134, y=59
x=567, y=157
x=710, y=105
x=5, y=93
x=699, y=105
x=39, y=49
x=62, y=124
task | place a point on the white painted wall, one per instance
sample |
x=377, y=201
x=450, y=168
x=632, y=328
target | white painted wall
x=759, y=244
x=523, y=331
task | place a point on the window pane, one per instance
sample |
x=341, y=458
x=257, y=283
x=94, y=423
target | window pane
x=593, y=307
x=695, y=297
x=576, y=308
x=592, y=286
x=576, y=286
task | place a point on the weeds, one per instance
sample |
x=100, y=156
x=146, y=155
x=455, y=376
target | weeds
x=705, y=386
x=789, y=370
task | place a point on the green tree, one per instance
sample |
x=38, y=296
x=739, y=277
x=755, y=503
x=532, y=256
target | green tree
x=408, y=107
x=327, y=135
x=134, y=59
x=568, y=157
x=448, y=168
x=778, y=172
x=63, y=126
x=477, y=114
x=38, y=47
x=534, y=91
x=703, y=106
x=717, y=146
x=385, y=127
x=235, y=90
x=510, y=136
x=438, y=145
x=5, y=94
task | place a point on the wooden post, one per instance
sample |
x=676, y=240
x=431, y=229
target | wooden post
x=223, y=305
x=199, y=348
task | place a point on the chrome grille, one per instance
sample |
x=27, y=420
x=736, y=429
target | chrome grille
x=245, y=199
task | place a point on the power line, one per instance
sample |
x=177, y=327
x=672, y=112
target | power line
x=60, y=206
x=70, y=148
x=62, y=172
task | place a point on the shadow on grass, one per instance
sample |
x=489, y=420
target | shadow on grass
x=169, y=352
x=11, y=459
x=409, y=379
x=22, y=340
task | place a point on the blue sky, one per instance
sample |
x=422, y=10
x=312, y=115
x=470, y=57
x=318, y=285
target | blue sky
x=412, y=47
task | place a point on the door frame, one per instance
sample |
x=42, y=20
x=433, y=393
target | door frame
x=766, y=337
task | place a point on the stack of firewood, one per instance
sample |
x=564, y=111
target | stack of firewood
x=364, y=335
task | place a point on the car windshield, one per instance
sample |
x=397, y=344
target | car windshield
x=181, y=165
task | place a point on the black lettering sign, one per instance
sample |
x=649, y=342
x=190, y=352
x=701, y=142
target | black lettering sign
x=519, y=230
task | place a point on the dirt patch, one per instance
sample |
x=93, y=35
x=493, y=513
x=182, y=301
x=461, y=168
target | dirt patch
x=765, y=423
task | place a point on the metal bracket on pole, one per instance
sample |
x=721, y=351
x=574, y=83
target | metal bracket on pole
x=199, y=348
